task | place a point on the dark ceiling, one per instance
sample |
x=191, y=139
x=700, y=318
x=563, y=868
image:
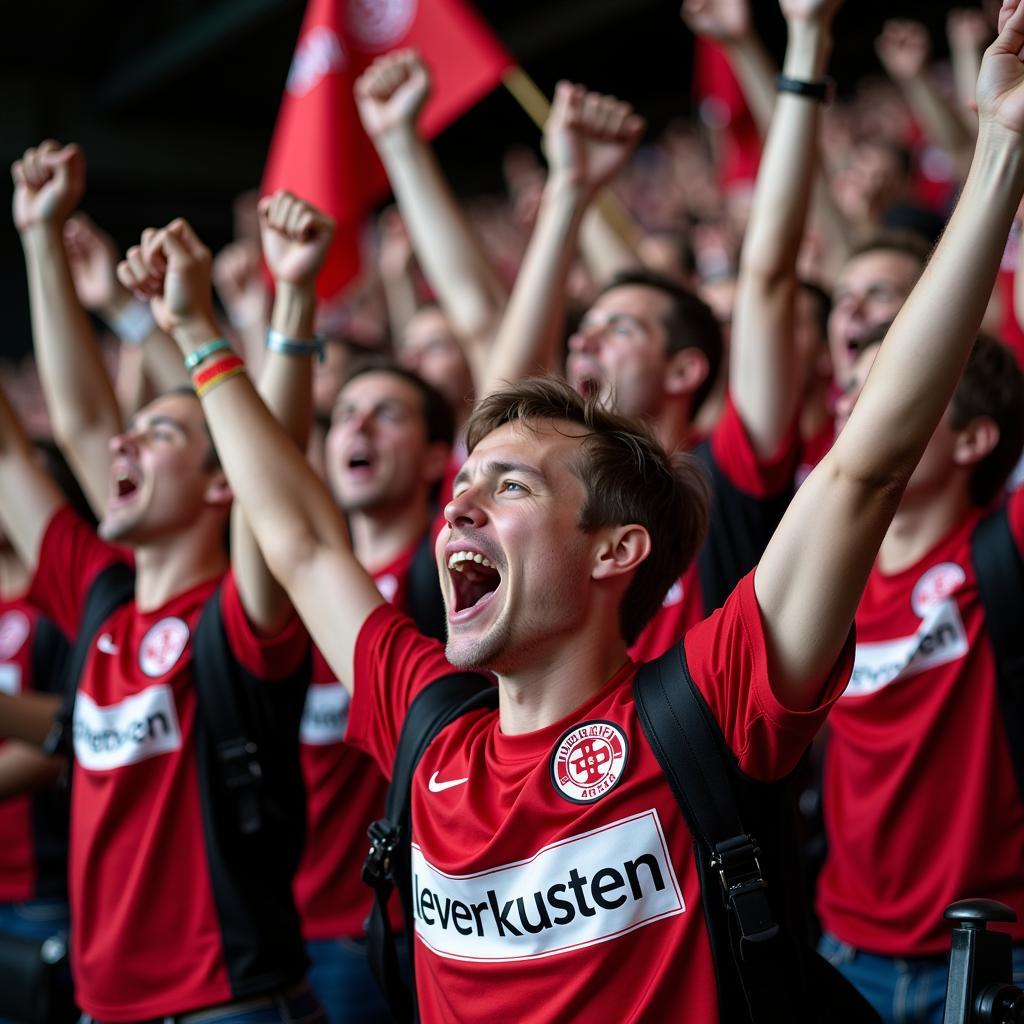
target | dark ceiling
x=174, y=100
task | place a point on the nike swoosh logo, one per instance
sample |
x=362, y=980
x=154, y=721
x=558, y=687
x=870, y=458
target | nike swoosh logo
x=106, y=644
x=439, y=787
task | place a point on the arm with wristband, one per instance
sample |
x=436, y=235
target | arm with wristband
x=728, y=24
x=298, y=527
x=835, y=524
x=295, y=238
x=763, y=380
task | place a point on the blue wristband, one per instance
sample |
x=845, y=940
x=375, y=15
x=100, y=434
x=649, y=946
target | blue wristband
x=278, y=342
x=204, y=352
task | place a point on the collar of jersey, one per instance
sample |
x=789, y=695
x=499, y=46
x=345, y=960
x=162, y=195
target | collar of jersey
x=531, y=746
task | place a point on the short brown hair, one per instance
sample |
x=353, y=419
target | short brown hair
x=991, y=385
x=628, y=479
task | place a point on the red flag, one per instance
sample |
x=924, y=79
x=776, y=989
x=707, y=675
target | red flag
x=724, y=106
x=320, y=151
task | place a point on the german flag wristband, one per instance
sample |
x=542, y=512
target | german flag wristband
x=222, y=370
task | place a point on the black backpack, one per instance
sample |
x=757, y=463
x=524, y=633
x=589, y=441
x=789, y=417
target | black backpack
x=1000, y=575
x=744, y=838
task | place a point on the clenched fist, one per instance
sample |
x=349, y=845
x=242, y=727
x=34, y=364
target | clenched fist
x=589, y=137
x=391, y=92
x=170, y=269
x=48, y=184
x=295, y=236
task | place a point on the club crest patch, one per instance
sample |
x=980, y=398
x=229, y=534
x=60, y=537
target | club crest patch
x=588, y=761
x=938, y=583
x=14, y=630
x=162, y=646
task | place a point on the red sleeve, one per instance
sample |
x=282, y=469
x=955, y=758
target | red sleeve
x=745, y=469
x=270, y=658
x=727, y=657
x=71, y=556
x=393, y=662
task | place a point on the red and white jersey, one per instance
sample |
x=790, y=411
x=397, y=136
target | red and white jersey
x=921, y=803
x=33, y=830
x=345, y=793
x=553, y=874
x=747, y=503
x=147, y=939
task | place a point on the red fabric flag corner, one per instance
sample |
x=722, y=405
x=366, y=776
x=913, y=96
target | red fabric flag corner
x=319, y=150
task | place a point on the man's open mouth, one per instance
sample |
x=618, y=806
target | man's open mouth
x=125, y=484
x=360, y=465
x=473, y=579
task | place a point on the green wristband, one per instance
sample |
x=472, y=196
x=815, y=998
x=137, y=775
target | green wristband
x=204, y=352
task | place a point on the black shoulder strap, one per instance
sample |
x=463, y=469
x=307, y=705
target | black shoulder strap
x=424, y=602
x=690, y=749
x=1000, y=574
x=388, y=862
x=237, y=753
x=113, y=587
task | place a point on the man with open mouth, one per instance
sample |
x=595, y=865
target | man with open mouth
x=553, y=875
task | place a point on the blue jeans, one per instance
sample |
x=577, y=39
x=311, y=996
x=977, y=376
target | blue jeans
x=341, y=977
x=903, y=991
x=298, y=1006
x=39, y=919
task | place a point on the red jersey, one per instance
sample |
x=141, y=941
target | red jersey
x=554, y=876
x=921, y=803
x=748, y=496
x=345, y=793
x=33, y=853
x=149, y=938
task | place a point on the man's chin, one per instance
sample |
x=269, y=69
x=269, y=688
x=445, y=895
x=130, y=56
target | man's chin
x=115, y=530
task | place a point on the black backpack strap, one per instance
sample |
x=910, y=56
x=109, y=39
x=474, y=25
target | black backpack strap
x=1000, y=574
x=113, y=587
x=690, y=749
x=387, y=864
x=238, y=755
x=424, y=602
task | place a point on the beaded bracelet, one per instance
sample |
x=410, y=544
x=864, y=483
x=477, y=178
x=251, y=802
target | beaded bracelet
x=278, y=342
x=204, y=352
x=224, y=369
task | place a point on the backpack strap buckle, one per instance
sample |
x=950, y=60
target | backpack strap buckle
x=746, y=892
x=384, y=836
x=242, y=775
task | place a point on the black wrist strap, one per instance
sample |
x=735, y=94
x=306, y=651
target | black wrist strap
x=819, y=91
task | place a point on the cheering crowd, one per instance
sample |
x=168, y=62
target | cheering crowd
x=760, y=442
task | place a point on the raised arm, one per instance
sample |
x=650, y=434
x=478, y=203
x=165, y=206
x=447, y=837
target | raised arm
x=146, y=352
x=904, y=48
x=296, y=524
x=762, y=377
x=814, y=570
x=968, y=30
x=390, y=95
x=48, y=183
x=728, y=24
x=28, y=497
x=588, y=138
x=295, y=238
